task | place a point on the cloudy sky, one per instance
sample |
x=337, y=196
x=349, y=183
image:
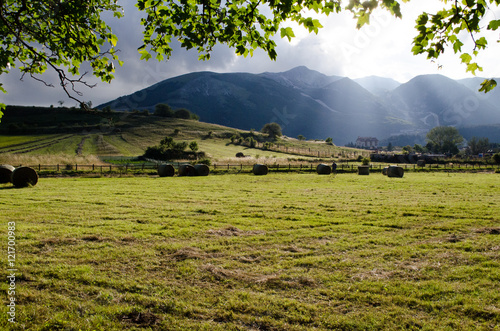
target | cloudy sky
x=382, y=49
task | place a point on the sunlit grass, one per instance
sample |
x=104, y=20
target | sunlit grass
x=48, y=159
x=239, y=252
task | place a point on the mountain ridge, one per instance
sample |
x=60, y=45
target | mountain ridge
x=317, y=106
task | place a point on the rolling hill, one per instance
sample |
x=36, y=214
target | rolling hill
x=26, y=133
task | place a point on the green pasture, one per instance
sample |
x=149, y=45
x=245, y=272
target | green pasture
x=242, y=252
x=130, y=135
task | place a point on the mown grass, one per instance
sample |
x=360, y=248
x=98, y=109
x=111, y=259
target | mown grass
x=239, y=252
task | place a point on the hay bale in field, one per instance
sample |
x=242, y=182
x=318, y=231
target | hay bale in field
x=187, y=170
x=323, y=169
x=421, y=163
x=394, y=171
x=384, y=171
x=6, y=173
x=363, y=170
x=201, y=169
x=260, y=169
x=166, y=170
x=24, y=176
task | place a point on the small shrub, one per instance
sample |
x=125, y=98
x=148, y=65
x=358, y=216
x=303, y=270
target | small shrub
x=193, y=146
x=234, y=138
x=267, y=146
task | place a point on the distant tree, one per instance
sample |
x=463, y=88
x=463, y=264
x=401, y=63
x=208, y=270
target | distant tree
x=250, y=142
x=478, y=145
x=272, y=129
x=496, y=158
x=167, y=142
x=329, y=141
x=267, y=145
x=168, y=149
x=182, y=113
x=193, y=146
x=418, y=148
x=390, y=148
x=431, y=147
x=444, y=139
x=407, y=149
x=163, y=110
x=180, y=146
x=301, y=137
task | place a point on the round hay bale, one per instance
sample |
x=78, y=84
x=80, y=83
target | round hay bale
x=363, y=170
x=201, y=169
x=166, y=170
x=260, y=169
x=24, y=176
x=421, y=163
x=240, y=154
x=323, y=169
x=5, y=173
x=384, y=171
x=394, y=171
x=187, y=170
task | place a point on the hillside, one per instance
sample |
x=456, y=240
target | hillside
x=306, y=102
x=69, y=132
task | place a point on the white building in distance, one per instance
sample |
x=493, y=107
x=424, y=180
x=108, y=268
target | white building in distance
x=367, y=142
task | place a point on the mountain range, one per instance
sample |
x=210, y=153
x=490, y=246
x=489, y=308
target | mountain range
x=309, y=103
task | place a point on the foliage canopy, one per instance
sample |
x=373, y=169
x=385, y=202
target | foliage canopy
x=444, y=139
x=36, y=35
x=272, y=129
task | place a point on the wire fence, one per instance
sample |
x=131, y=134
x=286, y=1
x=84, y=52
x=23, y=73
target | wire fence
x=152, y=168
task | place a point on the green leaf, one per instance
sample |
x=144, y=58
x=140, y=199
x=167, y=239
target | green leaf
x=363, y=18
x=457, y=46
x=113, y=40
x=488, y=85
x=493, y=25
x=144, y=54
x=472, y=67
x=466, y=58
x=287, y=32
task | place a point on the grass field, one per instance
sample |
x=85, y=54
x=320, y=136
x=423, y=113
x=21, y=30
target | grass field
x=130, y=135
x=239, y=252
